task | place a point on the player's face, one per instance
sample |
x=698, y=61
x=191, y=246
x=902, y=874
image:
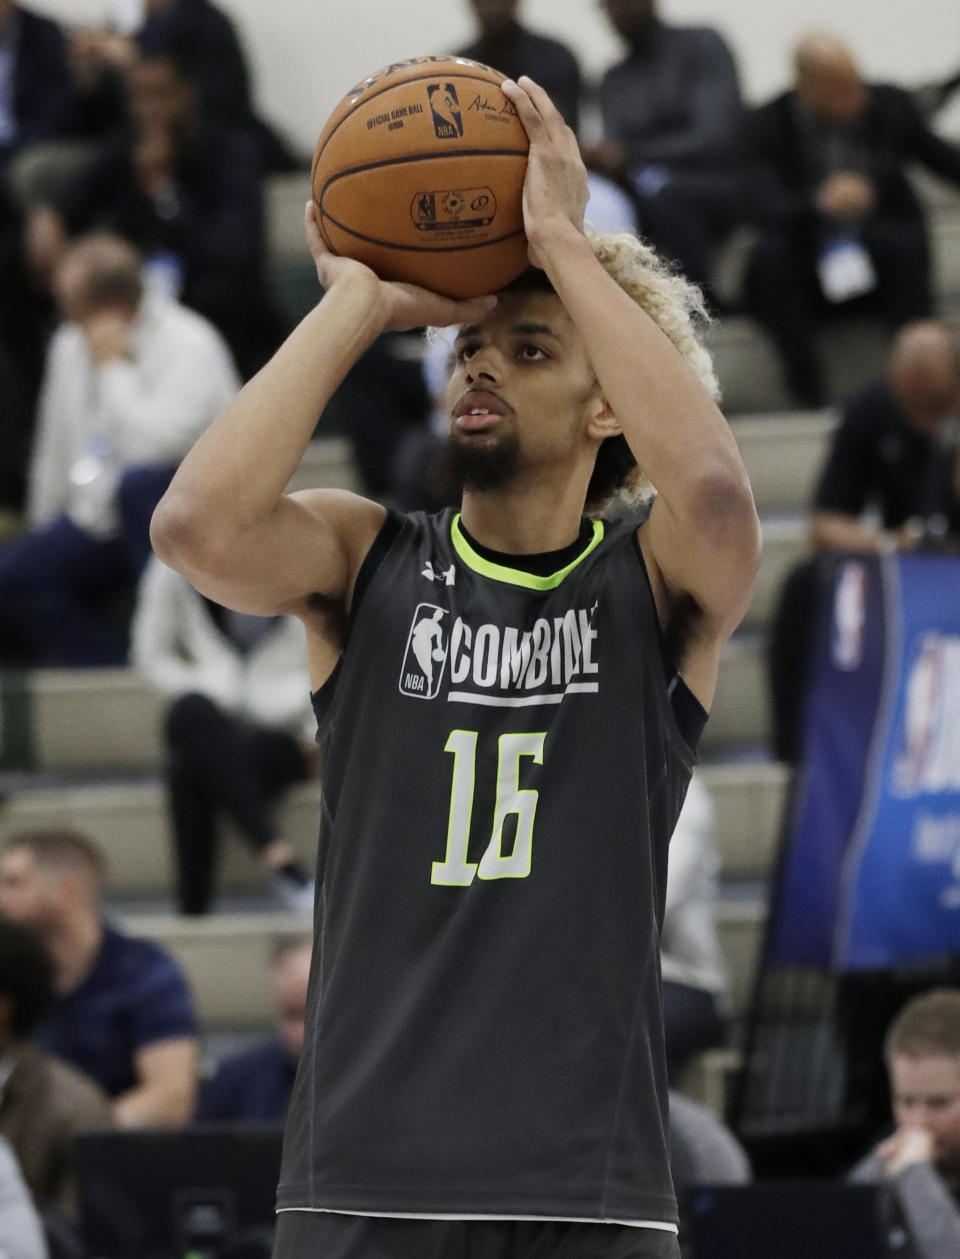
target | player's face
x=925, y=1093
x=522, y=379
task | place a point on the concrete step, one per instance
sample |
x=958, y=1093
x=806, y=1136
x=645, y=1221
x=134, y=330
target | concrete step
x=129, y=822
x=783, y=454
x=72, y=719
x=327, y=464
x=226, y=956
x=748, y=801
x=740, y=712
x=785, y=543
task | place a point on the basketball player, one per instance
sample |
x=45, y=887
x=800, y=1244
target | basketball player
x=483, y=1071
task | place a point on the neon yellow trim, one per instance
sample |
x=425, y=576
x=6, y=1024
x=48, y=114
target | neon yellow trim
x=516, y=576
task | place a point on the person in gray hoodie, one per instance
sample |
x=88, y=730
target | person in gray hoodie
x=919, y=1164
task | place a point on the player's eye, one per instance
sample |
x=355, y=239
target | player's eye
x=465, y=351
x=532, y=353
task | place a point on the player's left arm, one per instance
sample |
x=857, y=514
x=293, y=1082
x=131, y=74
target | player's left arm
x=702, y=540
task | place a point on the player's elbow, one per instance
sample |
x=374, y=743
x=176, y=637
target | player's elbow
x=727, y=515
x=182, y=534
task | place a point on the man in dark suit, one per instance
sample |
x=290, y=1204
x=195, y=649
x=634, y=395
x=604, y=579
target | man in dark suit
x=839, y=219
x=503, y=43
x=34, y=80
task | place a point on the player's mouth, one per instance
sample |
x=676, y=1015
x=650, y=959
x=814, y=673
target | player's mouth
x=478, y=410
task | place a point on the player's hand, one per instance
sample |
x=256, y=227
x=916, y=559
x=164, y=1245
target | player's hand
x=555, y=189
x=404, y=305
x=905, y=1148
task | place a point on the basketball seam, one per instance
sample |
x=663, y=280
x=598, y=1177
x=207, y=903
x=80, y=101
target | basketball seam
x=386, y=88
x=421, y=249
x=413, y=157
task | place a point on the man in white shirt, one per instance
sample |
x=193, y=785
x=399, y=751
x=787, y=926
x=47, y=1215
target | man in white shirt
x=131, y=381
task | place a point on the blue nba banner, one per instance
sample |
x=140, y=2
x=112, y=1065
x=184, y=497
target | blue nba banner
x=870, y=877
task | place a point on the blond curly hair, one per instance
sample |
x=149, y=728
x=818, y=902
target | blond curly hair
x=677, y=308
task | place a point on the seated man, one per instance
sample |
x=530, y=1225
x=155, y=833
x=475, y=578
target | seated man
x=504, y=43
x=256, y=1085
x=673, y=132
x=35, y=92
x=186, y=190
x=840, y=219
x=196, y=29
x=919, y=1165
x=238, y=732
x=895, y=450
x=44, y=1102
x=131, y=381
x=123, y=1012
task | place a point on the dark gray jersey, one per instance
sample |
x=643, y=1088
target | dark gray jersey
x=501, y=774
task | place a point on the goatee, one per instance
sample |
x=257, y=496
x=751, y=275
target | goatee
x=470, y=463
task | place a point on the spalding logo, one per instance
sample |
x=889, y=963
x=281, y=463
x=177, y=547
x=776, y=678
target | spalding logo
x=440, y=59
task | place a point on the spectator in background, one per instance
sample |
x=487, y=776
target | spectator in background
x=895, y=450
x=841, y=220
x=35, y=93
x=694, y=981
x=673, y=132
x=255, y=1086
x=919, y=1165
x=192, y=30
x=20, y=1226
x=238, y=731
x=186, y=190
x=703, y=1151
x=131, y=382
x=123, y=1012
x=504, y=43
x=44, y=1103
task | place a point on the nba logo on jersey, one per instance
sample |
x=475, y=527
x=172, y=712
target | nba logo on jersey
x=425, y=658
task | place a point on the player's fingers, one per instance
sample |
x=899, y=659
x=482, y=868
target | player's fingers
x=541, y=99
x=448, y=312
x=528, y=113
x=315, y=240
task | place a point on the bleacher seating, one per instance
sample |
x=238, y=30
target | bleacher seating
x=89, y=747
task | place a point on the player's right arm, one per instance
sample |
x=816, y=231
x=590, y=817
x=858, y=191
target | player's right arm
x=226, y=522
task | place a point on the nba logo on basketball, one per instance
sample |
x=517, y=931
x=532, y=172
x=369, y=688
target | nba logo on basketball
x=425, y=658
x=445, y=107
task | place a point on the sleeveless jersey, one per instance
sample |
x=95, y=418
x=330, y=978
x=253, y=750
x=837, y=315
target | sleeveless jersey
x=501, y=774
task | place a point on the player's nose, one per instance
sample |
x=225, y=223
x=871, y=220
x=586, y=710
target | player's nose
x=483, y=365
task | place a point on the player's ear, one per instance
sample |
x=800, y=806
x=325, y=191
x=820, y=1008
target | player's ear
x=602, y=422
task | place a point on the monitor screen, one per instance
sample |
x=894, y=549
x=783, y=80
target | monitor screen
x=195, y=1192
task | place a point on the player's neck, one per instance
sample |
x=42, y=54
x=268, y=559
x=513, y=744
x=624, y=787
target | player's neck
x=523, y=522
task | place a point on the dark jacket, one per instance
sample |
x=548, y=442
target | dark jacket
x=546, y=61
x=893, y=135
x=42, y=93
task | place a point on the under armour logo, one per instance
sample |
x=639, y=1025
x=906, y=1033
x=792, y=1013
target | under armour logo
x=447, y=575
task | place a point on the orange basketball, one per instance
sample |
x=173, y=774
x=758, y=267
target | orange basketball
x=419, y=174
